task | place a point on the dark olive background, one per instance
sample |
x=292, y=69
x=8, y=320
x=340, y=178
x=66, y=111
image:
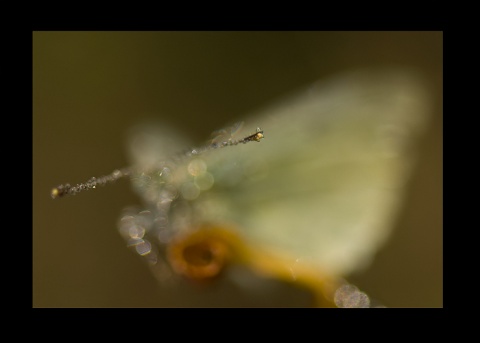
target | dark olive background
x=90, y=87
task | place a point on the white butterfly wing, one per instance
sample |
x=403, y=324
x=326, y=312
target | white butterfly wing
x=325, y=184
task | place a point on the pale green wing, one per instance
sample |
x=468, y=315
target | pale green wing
x=326, y=183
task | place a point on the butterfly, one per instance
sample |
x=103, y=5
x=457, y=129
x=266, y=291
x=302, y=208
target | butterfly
x=308, y=196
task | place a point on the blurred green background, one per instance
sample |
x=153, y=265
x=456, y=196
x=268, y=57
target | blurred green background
x=90, y=87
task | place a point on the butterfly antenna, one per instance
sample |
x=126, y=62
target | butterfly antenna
x=255, y=137
x=66, y=189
